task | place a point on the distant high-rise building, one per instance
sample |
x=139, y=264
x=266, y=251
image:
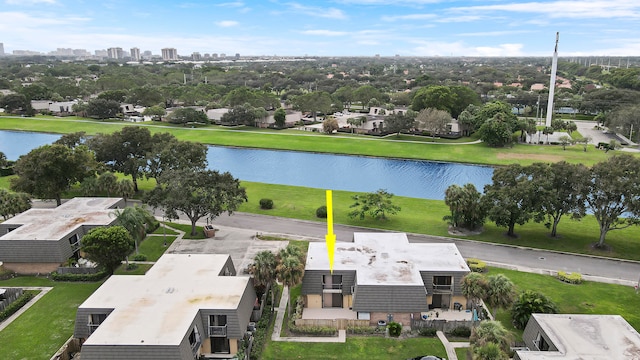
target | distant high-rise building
x=135, y=54
x=237, y=55
x=147, y=54
x=80, y=52
x=1, y=49
x=207, y=55
x=196, y=56
x=101, y=53
x=214, y=55
x=223, y=55
x=115, y=53
x=169, y=54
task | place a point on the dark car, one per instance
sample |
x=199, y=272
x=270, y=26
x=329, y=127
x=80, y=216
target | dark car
x=427, y=357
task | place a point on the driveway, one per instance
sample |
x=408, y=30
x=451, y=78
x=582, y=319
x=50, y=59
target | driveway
x=586, y=128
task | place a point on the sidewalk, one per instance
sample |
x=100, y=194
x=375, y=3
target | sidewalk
x=451, y=346
x=43, y=292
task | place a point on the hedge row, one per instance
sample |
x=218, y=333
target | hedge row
x=571, y=278
x=477, y=265
x=16, y=305
x=79, y=277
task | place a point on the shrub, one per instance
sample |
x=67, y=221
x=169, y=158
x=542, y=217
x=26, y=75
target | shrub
x=571, y=278
x=321, y=212
x=477, y=265
x=361, y=330
x=16, y=305
x=427, y=331
x=79, y=277
x=152, y=227
x=313, y=330
x=394, y=328
x=266, y=204
x=460, y=331
x=132, y=266
x=140, y=257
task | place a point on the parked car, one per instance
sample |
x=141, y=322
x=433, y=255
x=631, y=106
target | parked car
x=427, y=357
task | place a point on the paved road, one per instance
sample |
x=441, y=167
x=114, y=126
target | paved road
x=617, y=271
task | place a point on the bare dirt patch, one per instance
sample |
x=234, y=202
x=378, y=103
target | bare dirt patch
x=540, y=157
x=464, y=232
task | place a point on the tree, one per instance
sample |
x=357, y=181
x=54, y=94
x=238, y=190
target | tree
x=80, y=108
x=197, y=193
x=14, y=102
x=330, y=125
x=263, y=270
x=509, y=198
x=500, y=292
x=466, y=206
x=396, y=123
x=496, y=132
x=239, y=115
x=530, y=302
x=156, y=112
x=48, y=171
x=107, y=182
x=72, y=140
x=585, y=142
x=467, y=119
x=489, y=351
x=613, y=194
x=356, y=121
x=102, y=108
x=490, y=332
x=571, y=127
x=3, y=160
x=170, y=154
x=465, y=96
x=125, y=189
x=491, y=110
x=474, y=287
x=136, y=220
x=280, y=116
x=433, y=120
x=290, y=269
x=107, y=246
x=437, y=97
x=12, y=203
x=345, y=95
x=114, y=95
x=559, y=191
x=187, y=115
x=564, y=141
x=377, y=205
x=124, y=151
x=314, y=102
x=365, y=93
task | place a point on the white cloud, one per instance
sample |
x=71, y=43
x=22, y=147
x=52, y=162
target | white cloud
x=410, y=17
x=29, y=2
x=231, y=4
x=227, y=23
x=324, y=32
x=458, y=48
x=390, y=2
x=495, y=33
x=565, y=9
x=331, y=13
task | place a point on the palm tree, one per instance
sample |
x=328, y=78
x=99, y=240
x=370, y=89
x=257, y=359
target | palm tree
x=135, y=219
x=125, y=188
x=474, y=287
x=289, y=272
x=263, y=270
x=490, y=332
x=107, y=182
x=530, y=302
x=500, y=292
x=490, y=351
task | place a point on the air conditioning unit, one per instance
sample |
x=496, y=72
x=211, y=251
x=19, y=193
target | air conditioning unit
x=251, y=327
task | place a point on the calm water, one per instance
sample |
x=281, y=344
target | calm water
x=419, y=179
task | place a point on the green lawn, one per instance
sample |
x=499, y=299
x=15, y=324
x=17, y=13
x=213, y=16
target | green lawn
x=462, y=353
x=46, y=326
x=139, y=269
x=316, y=142
x=186, y=228
x=356, y=348
x=586, y=298
x=154, y=246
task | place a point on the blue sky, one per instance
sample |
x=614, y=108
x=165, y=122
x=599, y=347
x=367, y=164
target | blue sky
x=327, y=28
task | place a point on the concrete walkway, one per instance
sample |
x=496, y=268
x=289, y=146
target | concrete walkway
x=451, y=346
x=277, y=328
x=43, y=292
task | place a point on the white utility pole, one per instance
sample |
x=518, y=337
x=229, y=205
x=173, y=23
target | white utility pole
x=552, y=82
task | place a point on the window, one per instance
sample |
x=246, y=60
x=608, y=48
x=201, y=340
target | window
x=95, y=320
x=194, y=340
x=332, y=282
x=442, y=283
x=217, y=325
x=75, y=242
x=540, y=343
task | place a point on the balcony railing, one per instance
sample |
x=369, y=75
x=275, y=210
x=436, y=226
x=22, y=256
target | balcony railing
x=218, y=331
x=92, y=327
x=442, y=288
x=332, y=286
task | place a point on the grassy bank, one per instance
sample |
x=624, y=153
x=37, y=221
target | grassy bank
x=316, y=142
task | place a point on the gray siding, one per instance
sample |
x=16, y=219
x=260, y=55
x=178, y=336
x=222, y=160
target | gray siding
x=237, y=319
x=81, y=329
x=138, y=352
x=530, y=334
x=391, y=299
x=312, y=281
x=229, y=266
x=427, y=279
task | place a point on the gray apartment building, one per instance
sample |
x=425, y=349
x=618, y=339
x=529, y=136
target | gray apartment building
x=185, y=306
x=39, y=240
x=381, y=276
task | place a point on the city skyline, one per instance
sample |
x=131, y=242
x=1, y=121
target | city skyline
x=327, y=28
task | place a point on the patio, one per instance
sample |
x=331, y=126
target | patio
x=448, y=315
x=329, y=314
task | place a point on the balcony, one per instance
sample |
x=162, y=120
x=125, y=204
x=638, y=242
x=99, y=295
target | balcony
x=332, y=286
x=218, y=331
x=441, y=289
x=92, y=327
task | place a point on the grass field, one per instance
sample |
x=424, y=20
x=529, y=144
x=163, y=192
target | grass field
x=316, y=142
x=45, y=327
x=154, y=246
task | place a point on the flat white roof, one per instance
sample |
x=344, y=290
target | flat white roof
x=387, y=258
x=586, y=337
x=159, y=307
x=54, y=224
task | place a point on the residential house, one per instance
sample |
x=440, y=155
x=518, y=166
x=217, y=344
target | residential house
x=381, y=276
x=185, y=306
x=579, y=337
x=39, y=240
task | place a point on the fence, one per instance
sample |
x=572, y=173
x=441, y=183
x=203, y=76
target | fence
x=68, y=351
x=442, y=325
x=339, y=324
x=9, y=296
x=77, y=270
